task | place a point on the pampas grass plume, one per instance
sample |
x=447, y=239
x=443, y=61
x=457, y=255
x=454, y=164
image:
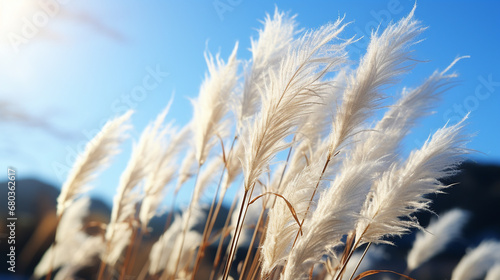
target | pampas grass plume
x=477, y=261
x=436, y=236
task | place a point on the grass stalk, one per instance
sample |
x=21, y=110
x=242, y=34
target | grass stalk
x=128, y=255
x=221, y=241
x=184, y=231
x=237, y=231
x=211, y=220
x=136, y=248
x=102, y=268
x=360, y=260
x=254, y=235
x=52, y=247
x=312, y=198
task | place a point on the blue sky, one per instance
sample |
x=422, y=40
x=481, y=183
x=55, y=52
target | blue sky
x=79, y=63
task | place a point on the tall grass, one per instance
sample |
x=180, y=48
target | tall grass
x=341, y=184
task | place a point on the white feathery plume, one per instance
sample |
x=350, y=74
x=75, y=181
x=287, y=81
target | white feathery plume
x=401, y=190
x=187, y=169
x=69, y=236
x=309, y=138
x=307, y=155
x=233, y=166
x=379, y=145
x=283, y=226
x=93, y=160
x=161, y=250
x=165, y=251
x=140, y=164
x=309, y=141
x=493, y=273
x=82, y=257
x=117, y=242
x=317, y=125
x=333, y=218
x=212, y=103
x=274, y=179
x=383, y=141
x=191, y=242
x=436, y=236
x=293, y=167
x=477, y=261
x=297, y=188
x=287, y=98
x=267, y=52
x=379, y=67
x=207, y=176
x=337, y=208
x=165, y=167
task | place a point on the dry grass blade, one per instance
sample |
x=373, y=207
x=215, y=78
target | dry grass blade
x=377, y=271
x=347, y=253
x=282, y=227
x=290, y=206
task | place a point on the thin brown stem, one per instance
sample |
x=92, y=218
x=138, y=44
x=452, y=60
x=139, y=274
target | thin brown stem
x=312, y=198
x=52, y=246
x=221, y=241
x=250, y=247
x=290, y=206
x=144, y=271
x=102, y=267
x=344, y=264
x=235, y=237
x=128, y=255
x=254, y=268
x=169, y=220
x=353, y=248
x=237, y=232
x=256, y=258
x=184, y=231
x=215, y=214
x=311, y=272
x=205, y=235
x=286, y=164
x=360, y=260
x=211, y=220
x=171, y=214
x=136, y=248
